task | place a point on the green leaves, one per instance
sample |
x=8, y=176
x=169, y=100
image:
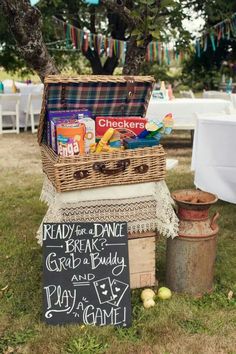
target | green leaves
x=155, y=34
x=158, y=19
x=136, y=32
x=167, y=3
x=147, y=2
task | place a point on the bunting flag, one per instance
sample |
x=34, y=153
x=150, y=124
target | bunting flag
x=92, y=2
x=213, y=41
x=67, y=36
x=198, y=48
x=83, y=40
x=159, y=52
x=223, y=30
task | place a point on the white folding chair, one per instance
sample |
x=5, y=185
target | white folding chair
x=187, y=94
x=33, y=109
x=216, y=94
x=10, y=106
x=171, y=163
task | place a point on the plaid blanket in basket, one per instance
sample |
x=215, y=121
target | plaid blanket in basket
x=101, y=98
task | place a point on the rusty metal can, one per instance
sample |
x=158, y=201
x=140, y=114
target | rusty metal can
x=191, y=255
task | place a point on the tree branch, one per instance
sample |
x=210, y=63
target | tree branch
x=118, y=27
x=92, y=19
x=110, y=65
x=122, y=10
x=135, y=56
x=25, y=23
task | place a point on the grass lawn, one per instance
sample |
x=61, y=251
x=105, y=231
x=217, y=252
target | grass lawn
x=180, y=325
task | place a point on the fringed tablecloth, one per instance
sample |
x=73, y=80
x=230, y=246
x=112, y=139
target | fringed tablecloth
x=145, y=206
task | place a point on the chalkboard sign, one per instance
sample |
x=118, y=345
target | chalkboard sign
x=86, y=274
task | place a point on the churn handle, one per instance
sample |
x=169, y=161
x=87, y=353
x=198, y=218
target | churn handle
x=213, y=224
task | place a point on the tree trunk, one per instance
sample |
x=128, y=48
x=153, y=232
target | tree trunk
x=97, y=67
x=25, y=23
x=118, y=28
x=135, y=56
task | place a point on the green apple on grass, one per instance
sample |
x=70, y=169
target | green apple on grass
x=164, y=293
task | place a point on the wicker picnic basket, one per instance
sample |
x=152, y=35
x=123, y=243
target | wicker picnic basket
x=104, y=96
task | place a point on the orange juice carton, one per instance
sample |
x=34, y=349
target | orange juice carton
x=89, y=138
x=70, y=138
x=128, y=127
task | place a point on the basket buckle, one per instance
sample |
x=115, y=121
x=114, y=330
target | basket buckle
x=130, y=87
x=80, y=174
x=141, y=169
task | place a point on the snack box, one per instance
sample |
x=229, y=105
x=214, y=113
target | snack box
x=53, y=129
x=128, y=127
x=65, y=115
x=89, y=138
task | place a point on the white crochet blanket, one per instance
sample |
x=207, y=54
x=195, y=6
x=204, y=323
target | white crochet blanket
x=145, y=206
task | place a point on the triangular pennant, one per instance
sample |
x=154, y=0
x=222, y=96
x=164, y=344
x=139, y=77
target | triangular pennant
x=111, y=45
x=68, y=36
x=86, y=43
x=212, y=37
x=205, y=44
x=198, y=48
x=123, y=52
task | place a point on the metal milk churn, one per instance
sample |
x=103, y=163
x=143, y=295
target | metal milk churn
x=191, y=255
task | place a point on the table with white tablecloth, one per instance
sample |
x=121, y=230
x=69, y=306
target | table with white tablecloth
x=214, y=158
x=233, y=99
x=25, y=91
x=184, y=110
x=221, y=95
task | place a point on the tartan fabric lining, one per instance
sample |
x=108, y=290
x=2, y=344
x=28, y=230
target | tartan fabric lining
x=99, y=97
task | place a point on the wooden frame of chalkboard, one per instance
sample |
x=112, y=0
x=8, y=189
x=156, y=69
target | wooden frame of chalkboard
x=86, y=274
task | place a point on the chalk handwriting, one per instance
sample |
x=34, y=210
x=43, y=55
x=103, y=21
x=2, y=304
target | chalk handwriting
x=109, y=230
x=86, y=273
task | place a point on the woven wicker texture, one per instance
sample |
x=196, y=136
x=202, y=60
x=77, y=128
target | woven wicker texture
x=95, y=78
x=66, y=174
x=102, y=95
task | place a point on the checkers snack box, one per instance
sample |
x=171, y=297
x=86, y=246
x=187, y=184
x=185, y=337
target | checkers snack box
x=128, y=127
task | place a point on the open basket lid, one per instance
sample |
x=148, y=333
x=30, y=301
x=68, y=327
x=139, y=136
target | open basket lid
x=103, y=95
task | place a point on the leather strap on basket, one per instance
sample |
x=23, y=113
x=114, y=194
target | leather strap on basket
x=130, y=87
x=63, y=97
x=120, y=167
